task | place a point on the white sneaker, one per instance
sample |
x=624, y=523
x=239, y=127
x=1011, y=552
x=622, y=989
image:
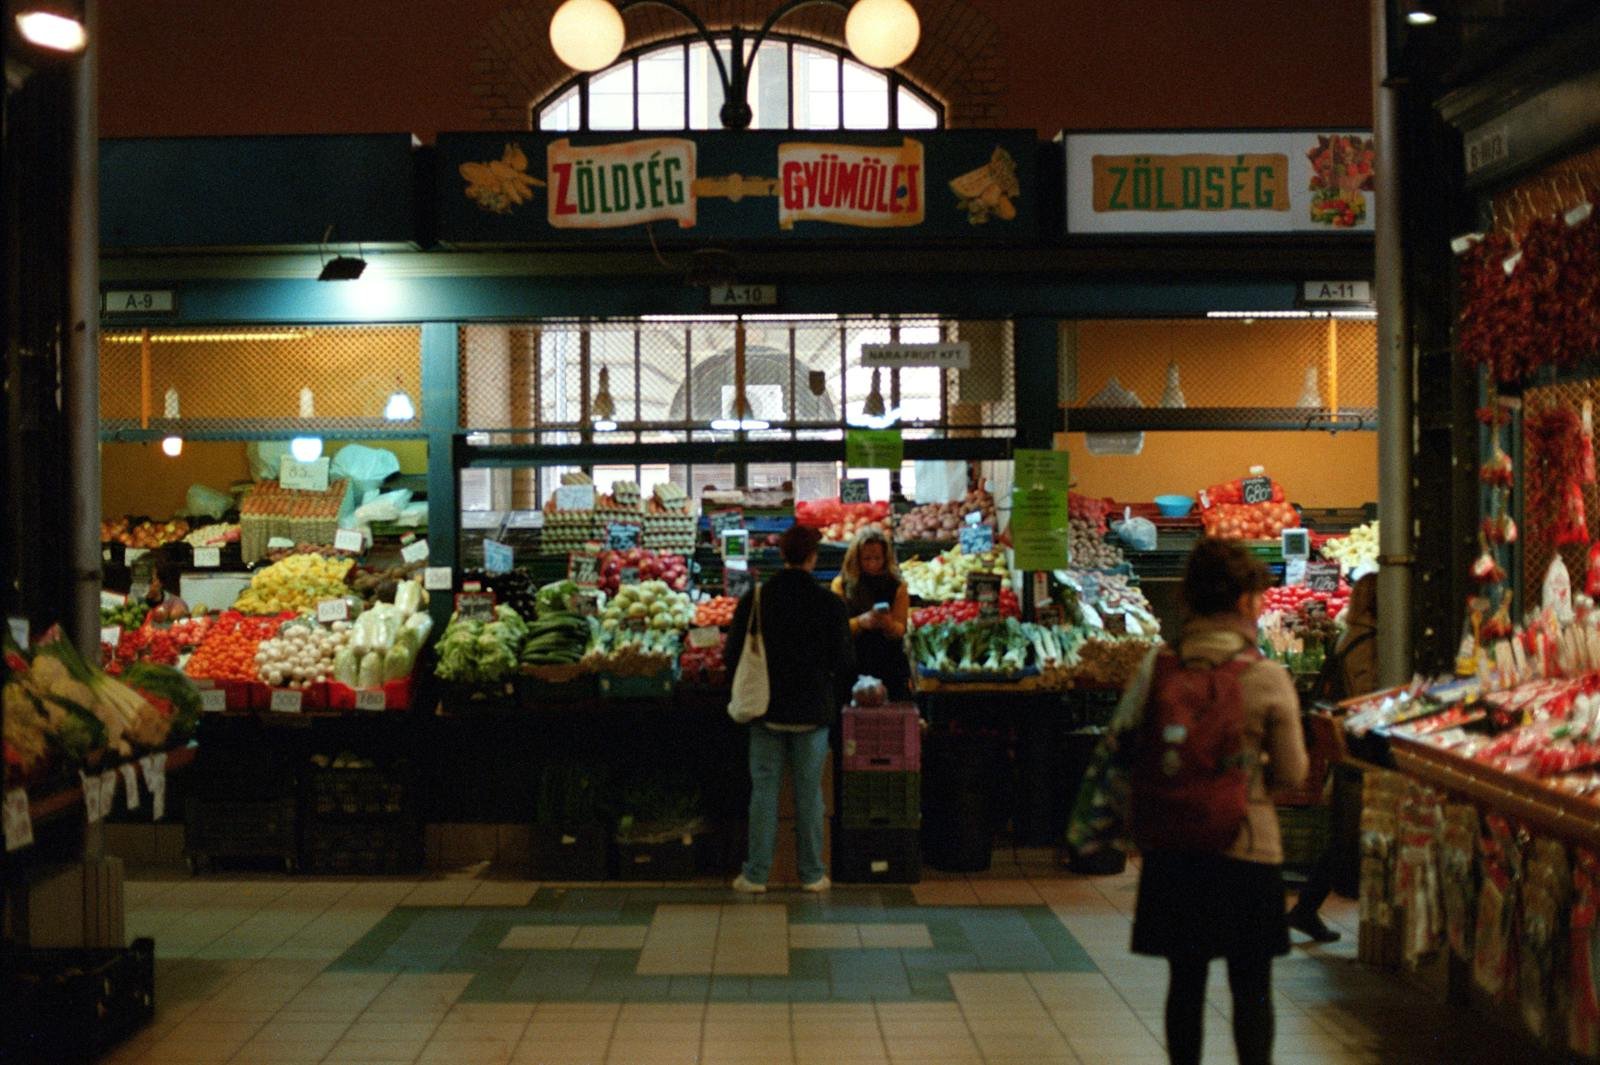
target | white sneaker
x=817, y=885
x=747, y=887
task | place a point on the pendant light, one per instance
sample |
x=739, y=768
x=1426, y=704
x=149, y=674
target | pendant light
x=874, y=407
x=54, y=26
x=882, y=33
x=306, y=448
x=743, y=419
x=603, y=410
x=171, y=446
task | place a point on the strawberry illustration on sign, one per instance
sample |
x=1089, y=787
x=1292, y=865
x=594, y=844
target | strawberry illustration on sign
x=501, y=183
x=1341, y=169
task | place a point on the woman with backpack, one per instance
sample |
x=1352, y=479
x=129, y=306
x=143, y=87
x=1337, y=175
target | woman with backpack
x=1207, y=729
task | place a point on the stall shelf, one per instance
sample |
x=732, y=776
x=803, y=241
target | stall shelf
x=51, y=803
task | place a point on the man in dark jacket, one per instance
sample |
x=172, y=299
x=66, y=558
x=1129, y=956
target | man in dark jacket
x=805, y=634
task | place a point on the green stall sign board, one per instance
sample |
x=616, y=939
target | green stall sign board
x=874, y=449
x=1041, y=469
x=1039, y=529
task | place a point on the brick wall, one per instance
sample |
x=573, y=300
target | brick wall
x=957, y=60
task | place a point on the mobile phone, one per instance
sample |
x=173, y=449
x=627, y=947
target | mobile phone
x=881, y=608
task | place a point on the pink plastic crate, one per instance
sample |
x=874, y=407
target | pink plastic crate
x=882, y=739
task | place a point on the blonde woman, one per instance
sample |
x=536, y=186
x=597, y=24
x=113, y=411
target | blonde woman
x=876, y=599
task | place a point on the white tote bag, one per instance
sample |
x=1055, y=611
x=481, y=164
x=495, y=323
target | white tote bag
x=750, y=690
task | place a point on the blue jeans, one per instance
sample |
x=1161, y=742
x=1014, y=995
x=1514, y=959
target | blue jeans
x=806, y=754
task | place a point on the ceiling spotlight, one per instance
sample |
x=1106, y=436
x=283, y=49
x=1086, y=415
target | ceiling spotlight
x=342, y=268
x=306, y=448
x=399, y=408
x=742, y=420
x=172, y=446
x=1420, y=17
x=53, y=27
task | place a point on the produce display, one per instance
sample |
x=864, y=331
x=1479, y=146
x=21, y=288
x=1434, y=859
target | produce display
x=146, y=534
x=214, y=535
x=649, y=605
x=1103, y=597
x=558, y=635
x=481, y=652
x=1089, y=549
x=514, y=588
x=1256, y=521
x=839, y=522
x=631, y=652
x=1008, y=649
x=380, y=586
x=669, y=521
x=705, y=665
x=717, y=611
x=271, y=510
x=945, y=576
x=1233, y=492
x=59, y=709
x=128, y=614
x=1299, y=598
x=228, y=651
x=298, y=583
x=1358, y=549
x=958, y=610
x=672, y=570
x=301, y=654
x=1111, y=662
x=942, y=521
x=1093, y=512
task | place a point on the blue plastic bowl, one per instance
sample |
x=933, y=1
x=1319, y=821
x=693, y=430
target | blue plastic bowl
x=1174, y=506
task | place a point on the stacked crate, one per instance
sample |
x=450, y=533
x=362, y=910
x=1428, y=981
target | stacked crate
x=878, y=836
x=360, y=817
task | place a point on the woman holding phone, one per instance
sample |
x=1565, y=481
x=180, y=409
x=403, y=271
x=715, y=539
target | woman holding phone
x=878, y=604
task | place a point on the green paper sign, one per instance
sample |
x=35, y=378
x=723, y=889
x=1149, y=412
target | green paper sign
x=1041, y=469
x=1039, y=529
x=873, y=449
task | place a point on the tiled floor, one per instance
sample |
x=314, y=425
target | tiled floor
x=1020, y=966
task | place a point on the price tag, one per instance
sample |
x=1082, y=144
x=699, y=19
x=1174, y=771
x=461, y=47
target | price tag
x=155, y=778
x=703, y=636
x=855, y=490
x=415, y=551
x=279, y=543
x=94, y=809
x=526, y=519
x=303, y=476
x=333, y=610
x=372, y=700
x=475, y=606
x=207, y=557
x=437, y=578
x=497, y=557
x=1116, y=624
x=1294, y=571
x=583, y=569
x=628, y=575
x=588, y=603
x=1048, y=614
x=735, y=544
x=286, y=701
x=1257, y=490
x=977, y=539
x=737, y=580
x=984, y=589
x=622, y=536
x=213, y=701
x=130, y=784
x=111, y=600
x=134, y=554
x=721, y=521
x=1322, y=576
x=349, y=540
x=19, y=631
x=18, y=820
x=575, y=497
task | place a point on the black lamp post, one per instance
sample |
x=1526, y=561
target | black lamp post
x=588, y=35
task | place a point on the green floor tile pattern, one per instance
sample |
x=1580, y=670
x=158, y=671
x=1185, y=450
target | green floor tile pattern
x=467, y=939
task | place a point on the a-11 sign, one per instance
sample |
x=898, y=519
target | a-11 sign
x=1337, y=292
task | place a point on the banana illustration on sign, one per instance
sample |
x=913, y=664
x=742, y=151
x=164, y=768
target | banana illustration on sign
x=502, y=183
x=989, y=189
x=734, y=187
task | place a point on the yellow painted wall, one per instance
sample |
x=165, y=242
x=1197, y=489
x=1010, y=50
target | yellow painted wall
x=139, y=479
x=1231, y=363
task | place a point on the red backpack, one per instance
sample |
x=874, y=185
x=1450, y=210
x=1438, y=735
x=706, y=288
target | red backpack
x=1189, y=776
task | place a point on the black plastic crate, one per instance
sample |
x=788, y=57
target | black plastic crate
x=877, y=855
x=361, y=847
x=882, y=800
x=74, y=1004
x=576, y=853
x=359, y=791
x=246, y=828
x=672, y=860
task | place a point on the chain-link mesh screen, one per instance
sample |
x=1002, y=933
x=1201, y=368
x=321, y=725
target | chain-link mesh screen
x=1538, y=523
x=667, y=380
x=1315, y=364
x=250, y=378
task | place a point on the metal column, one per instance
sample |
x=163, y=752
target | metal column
x=1394, y=374
x=81, y=389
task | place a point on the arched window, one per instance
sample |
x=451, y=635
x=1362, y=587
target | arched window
x=794, y=84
